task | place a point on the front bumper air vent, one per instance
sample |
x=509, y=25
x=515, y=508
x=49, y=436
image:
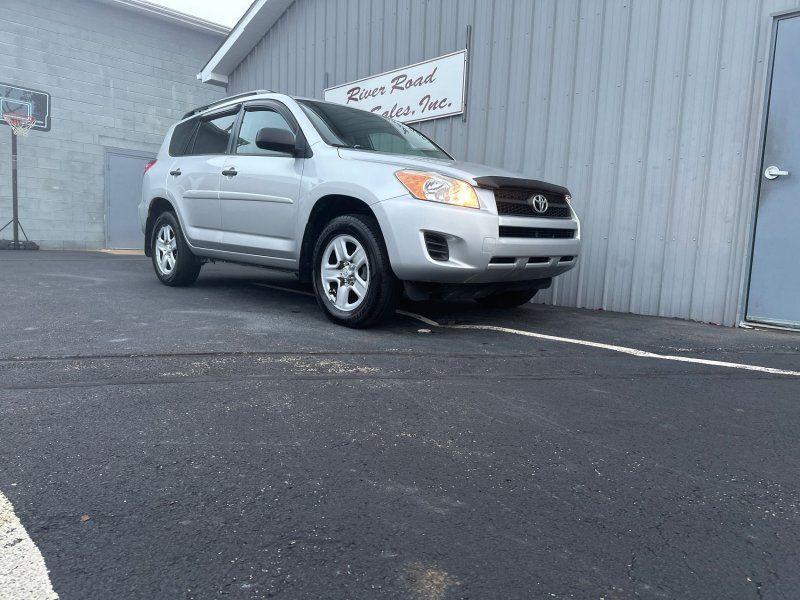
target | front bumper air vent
x=437, y=246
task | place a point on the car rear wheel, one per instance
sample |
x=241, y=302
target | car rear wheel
x=174, y=263
x=353, y=281
x=510, y=299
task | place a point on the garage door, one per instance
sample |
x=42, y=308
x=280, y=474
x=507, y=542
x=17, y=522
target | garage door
x=123, y=189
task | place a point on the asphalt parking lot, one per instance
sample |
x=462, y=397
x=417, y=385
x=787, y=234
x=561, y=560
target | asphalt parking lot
x=226, y=441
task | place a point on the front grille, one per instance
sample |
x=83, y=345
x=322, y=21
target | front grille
x=437, y=246
x=514, y=202
x=535, y=232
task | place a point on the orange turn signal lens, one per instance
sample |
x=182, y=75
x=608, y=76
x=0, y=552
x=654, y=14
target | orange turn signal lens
x=435, y=187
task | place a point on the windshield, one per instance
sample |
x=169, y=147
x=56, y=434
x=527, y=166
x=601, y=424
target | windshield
x=347, y=127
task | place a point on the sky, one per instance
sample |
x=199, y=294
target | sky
x=225, y=13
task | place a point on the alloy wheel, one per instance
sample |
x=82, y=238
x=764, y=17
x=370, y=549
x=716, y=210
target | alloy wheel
x=345, y=274
x=166, y=249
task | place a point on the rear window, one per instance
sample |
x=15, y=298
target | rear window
x=181, y=136
x=212, y=135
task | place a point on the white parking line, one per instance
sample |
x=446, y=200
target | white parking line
x=23, y=573
x=555, y=338
x=613, y=348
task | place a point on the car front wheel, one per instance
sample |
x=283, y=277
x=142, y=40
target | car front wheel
x=353, y=281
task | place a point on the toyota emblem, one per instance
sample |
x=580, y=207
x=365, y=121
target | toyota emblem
x=539, y=203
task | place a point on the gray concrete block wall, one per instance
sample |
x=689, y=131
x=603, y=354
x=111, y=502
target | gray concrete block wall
x=118, y=79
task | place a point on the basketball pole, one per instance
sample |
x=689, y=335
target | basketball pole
x=14, y=199
x=14, y=222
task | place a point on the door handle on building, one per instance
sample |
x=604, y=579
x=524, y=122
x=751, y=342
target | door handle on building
x=230, y=172
x=175, y=172
x=774, y=172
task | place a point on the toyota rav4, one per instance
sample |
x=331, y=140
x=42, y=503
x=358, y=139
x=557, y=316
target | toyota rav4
x=362, y=207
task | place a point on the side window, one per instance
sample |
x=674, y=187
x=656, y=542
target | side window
x=213, y=135
x=254, y=120
x=180, y=137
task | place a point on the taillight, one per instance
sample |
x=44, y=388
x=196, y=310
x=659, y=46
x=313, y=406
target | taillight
x=150, y=164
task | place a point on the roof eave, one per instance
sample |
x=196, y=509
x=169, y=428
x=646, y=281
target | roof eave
x=168, y=15
x=255, y=23
x=213, y=78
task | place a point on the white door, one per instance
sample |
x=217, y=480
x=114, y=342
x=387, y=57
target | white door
x=259, y=195
x=124, y=190
x=774, y=295
x=194, y=179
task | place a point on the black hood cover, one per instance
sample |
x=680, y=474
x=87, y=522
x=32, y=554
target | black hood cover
x=493, y=183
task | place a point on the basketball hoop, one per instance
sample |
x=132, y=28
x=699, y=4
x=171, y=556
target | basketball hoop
x=20, y=124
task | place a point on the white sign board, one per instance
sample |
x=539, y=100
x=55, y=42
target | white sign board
x=426, y=90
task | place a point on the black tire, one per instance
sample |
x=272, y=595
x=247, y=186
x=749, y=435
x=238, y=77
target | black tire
x=383, y=287
x=186, y=266
x=511, y=299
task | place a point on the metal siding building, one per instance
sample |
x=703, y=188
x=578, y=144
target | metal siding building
x=650, y=111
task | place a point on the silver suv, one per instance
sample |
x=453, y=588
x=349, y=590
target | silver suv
x=363, y=207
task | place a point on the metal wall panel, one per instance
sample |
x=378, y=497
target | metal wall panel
x=648, y=110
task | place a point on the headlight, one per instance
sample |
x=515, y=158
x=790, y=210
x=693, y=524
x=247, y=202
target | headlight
x=435, y=187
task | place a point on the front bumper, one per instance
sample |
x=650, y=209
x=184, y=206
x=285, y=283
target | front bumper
x=477, y=253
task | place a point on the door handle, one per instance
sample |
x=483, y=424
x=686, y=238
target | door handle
x=230, y=172
x=774, y=172
x=175, y=172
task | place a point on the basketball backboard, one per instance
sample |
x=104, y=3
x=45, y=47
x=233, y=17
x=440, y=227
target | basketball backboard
x=27, y=103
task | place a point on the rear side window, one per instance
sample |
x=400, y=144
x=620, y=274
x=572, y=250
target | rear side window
x=181, y=136
x=212, y=135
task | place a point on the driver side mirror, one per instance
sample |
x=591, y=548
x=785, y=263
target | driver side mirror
x=277, y=140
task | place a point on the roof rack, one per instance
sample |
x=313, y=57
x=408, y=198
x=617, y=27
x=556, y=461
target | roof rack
x=200, y=109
